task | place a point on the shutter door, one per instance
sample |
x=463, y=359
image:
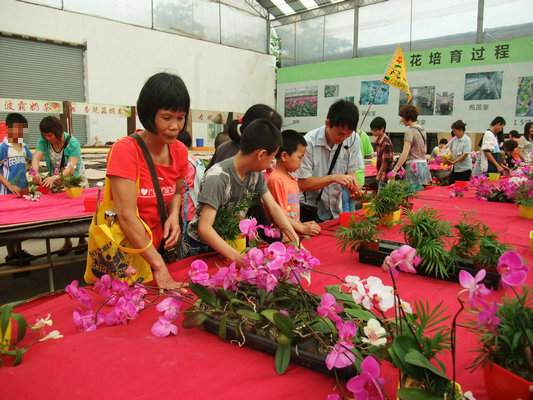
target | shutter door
x=32, y=69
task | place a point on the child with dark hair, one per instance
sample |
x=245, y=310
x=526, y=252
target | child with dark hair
x=510, y=153
x=14, y=159
x=384, y=149
x=284, y=186
x=237, y=127
x=441, y=150
x=227, y=182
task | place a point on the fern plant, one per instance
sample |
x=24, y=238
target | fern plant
x=363, y=231
x=227, y=220
x=490, y=250
x=429, y=234
x=390, y=198
x=469, y=231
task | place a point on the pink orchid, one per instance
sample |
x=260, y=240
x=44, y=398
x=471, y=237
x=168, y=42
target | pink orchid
x=347, y=331
x=170, y=307
x=254, y=258
x=79, y=295
x=512, y=269
x=227, y=276
x=130, y=271
x=391, y=174
x=32, y=172
x=366, y=386
x=84, y=321
x=248, y=227
x=123, y=312
x=198, y=273
x=401, y=172
x=452, y=195
x=163, y=327
x=328, y=308
x=340, y=356
x=476, y=290
x=404, y=258
x=272, y=232
x=56, y=171
x=103, y=286
x=488, y=318
x=266, y=281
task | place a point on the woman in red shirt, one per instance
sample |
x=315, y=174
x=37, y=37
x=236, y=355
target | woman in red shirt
x=163, y=108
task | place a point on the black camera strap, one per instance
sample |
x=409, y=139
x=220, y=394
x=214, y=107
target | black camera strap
x=335, y=156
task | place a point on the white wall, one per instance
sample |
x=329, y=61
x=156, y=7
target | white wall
x=120, y=57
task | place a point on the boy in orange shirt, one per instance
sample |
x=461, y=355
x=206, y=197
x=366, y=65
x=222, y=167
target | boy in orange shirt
x=284, y=186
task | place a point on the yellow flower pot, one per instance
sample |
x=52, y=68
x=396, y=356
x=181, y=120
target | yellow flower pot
x=5, y=338
x=494, y=176
x=394, y=216
x=525, y=212
x=74, y=192
x=238, y=244
x=366, y=210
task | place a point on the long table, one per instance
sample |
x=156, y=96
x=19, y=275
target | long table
x=129, y=362
x=55, y=215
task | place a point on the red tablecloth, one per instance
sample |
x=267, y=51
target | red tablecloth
x=129, y=362
x=51, y=206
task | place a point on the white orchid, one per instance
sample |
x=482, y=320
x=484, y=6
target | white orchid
x=52, y=335
x=380, y=295
x=42, y=322
x=375, y=333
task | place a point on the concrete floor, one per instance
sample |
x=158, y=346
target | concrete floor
x=36, y=283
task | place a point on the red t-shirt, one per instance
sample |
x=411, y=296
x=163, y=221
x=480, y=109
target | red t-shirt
x=127, y=157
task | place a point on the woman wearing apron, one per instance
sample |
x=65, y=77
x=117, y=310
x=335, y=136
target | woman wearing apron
x=489, y=157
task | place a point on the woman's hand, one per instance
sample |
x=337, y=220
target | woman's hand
x=50, y=181
x=171, y=232
x=37, y=178
x=165, y=281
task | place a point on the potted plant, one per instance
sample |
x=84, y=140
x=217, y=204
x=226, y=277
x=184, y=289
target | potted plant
x=504, y=332
x=490, y=249
x=429, y=234
x=227, y=222
x=468, y=233
x=363, y=232
x=386, y=204
x=73, y=185
x=523, y=196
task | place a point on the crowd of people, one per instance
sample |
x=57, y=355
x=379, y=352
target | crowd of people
x=323, y=170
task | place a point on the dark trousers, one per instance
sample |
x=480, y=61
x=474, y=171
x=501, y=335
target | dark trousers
x=460, y=176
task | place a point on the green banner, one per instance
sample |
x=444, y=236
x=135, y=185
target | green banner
x=505, y=52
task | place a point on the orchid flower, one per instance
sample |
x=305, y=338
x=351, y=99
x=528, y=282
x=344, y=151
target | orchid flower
x=85, y=321
x=163, y=327
x=340, y=356
x=170, y=307
x=512, y=269
x=130, y=271
x=248, y=227
x=476, y=290
x=198, y=273
x=52, y=335
x=272, y=232
x=328, y=308
x=381, y=296
x=404, y=258
x=375, y=333
x=366, y=386
x=347, y=331
x=42, y=322
x=488, y=318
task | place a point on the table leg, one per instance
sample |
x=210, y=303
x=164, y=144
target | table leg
x=50, y=270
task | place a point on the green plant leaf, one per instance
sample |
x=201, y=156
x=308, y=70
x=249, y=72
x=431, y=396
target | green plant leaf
x=249, y=314
x=269, y=314
x=359, y=313
x=283, y=357
x=193, y=320
x=285, y=324
x=204, y=294
x=5, y=316
x=22, y=326
x=416, y=394
x=222, y=332
x=415, y=357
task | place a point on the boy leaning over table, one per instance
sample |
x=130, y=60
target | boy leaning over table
x=227, y=182
x=15, y=158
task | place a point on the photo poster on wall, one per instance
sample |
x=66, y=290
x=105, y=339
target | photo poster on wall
x=474, y=82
